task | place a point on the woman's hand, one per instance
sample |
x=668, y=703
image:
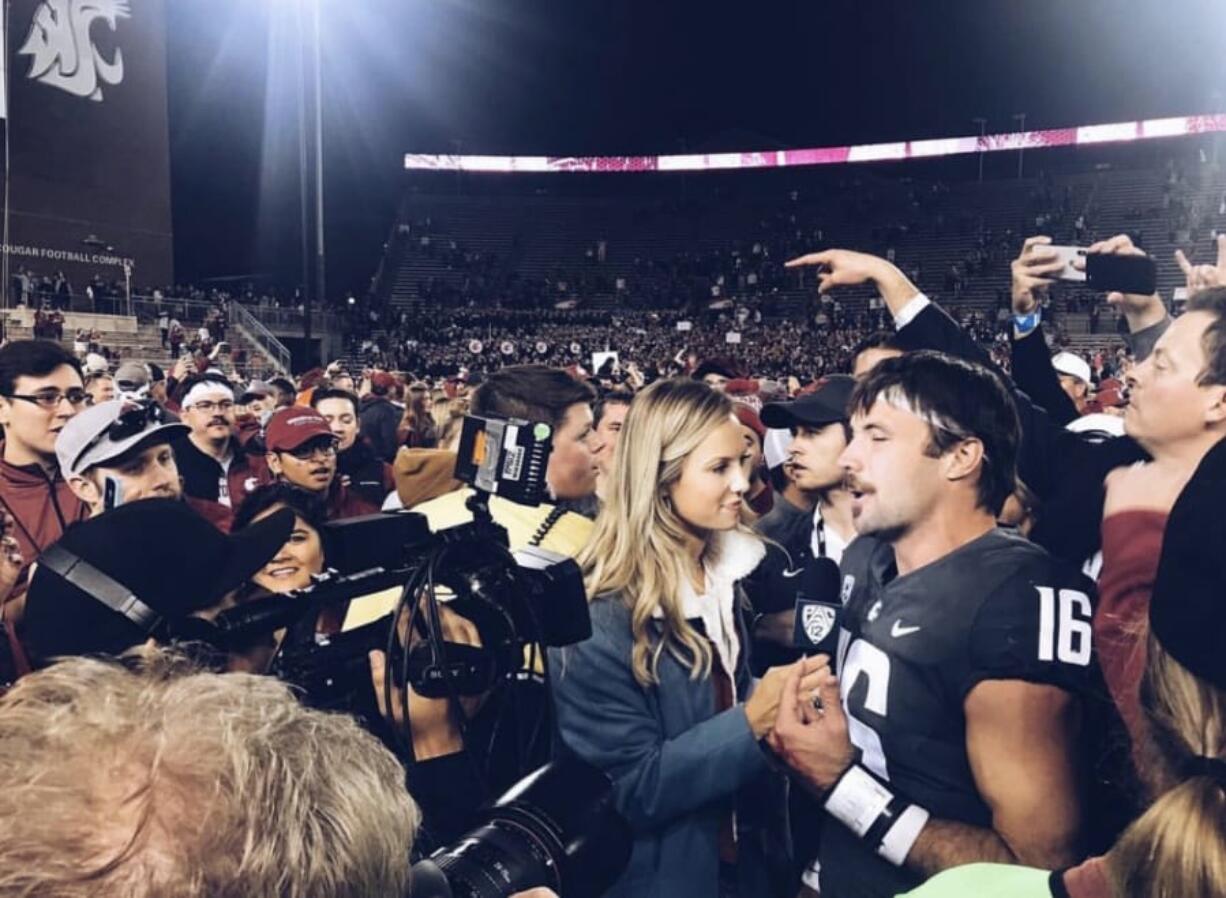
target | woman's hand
x=813, y=737
x=763, y=705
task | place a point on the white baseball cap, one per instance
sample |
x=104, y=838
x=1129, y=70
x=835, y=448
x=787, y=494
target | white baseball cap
x=1073, y=365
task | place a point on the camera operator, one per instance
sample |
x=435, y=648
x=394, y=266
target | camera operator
x=302, y=451
x=175, y=564
x=550, y=396
x=215, y=465
x=442, y=778
x=659, y=696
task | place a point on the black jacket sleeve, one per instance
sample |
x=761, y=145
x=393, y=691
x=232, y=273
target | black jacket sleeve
x=1034, y=374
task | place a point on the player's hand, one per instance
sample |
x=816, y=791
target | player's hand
x=1130, y=303
x=1202, y=277
x=1033, y=271
x=1153, y=486
x=813, y=740
x=536, y=893
x=762, y=707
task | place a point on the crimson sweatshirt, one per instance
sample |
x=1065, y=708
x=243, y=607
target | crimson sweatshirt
x=1132, y=544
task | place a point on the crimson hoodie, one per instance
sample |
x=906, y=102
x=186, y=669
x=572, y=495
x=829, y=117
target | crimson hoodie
x=1132, y=545
x=42, y=507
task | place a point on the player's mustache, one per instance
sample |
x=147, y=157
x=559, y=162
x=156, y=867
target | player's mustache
x=855, y=485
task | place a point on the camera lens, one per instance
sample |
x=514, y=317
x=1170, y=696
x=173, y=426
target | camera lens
x=557, y=828
x=499, y=859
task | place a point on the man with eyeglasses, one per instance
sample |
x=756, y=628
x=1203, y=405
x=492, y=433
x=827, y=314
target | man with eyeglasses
x=302, y=452
x=40, y=392
x=218, y=470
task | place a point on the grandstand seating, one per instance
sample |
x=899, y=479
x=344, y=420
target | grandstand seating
x=539, y=239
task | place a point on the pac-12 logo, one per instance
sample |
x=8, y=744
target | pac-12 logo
x=818, y=621
x=62, y=53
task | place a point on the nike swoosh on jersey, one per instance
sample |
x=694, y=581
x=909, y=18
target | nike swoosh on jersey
x=795, y=573
x=899, y=630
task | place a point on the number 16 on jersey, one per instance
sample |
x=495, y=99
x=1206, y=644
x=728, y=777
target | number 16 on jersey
x=1064, y=626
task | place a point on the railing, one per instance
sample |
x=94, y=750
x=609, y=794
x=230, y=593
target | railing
x=272, y=316
x=255, y=331
x=187, y=311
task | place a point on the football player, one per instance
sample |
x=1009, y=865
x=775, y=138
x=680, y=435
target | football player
x=951, y=734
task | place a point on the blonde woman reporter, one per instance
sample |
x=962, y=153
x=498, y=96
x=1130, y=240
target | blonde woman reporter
x=659, y=697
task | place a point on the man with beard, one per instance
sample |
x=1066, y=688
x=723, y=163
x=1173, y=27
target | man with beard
x=119, y=452
x=963, y=642
x=217, y=469
x=302, y=451
x=360, y=470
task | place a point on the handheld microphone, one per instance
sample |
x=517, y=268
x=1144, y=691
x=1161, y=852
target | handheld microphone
x=818, y=608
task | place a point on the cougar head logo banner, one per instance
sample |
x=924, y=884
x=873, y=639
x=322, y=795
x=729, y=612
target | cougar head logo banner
x=60, y=49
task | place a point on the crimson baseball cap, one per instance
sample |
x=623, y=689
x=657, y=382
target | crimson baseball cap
x=290, y=427
x=381, y=380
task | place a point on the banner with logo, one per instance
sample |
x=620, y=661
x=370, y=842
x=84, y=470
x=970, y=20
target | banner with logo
x=88, y=145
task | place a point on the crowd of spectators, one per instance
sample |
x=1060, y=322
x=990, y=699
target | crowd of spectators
x=840, y=571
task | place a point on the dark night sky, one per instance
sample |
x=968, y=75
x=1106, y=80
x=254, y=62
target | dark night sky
x=563, y=77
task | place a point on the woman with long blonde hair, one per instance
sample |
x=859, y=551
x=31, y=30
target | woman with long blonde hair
x=659, y=697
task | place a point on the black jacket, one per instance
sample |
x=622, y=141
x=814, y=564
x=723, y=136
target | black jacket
x=1034, y=375
x=367, y=474
x=380, y=417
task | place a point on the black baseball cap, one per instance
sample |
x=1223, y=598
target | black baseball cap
x=170, y=559
x=825, y=405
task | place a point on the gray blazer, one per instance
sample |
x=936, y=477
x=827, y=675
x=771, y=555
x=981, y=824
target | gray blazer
x=679, y=767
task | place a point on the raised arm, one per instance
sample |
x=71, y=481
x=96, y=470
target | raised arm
x=1032, y=275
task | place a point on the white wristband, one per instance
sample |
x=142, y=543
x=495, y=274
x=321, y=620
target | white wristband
x=867, y=806
x=858, y=800
x=897, y=842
